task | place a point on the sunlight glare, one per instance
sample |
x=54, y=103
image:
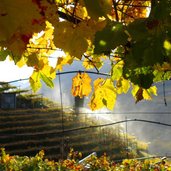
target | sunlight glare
x=10, y=72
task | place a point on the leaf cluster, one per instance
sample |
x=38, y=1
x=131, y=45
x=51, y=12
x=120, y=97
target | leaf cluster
x=133, y=35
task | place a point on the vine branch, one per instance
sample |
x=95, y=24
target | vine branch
x=87, y=57
x=116, y=11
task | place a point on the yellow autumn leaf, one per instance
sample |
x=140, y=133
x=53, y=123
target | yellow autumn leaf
x=117, y=70
x=21, y=62
x=96, y=100
x=49, y=71
x=135, y=88
x=109, y=94
x=141, y=93
x=81, y=85
x=41, y=44
x=98, y=82
x=16, y=30
x=42, y=71
x=70, y=38
x=122, y=85
x=35, y=81
x=79, y=11
x=93, y=62
x=12, y=21
x=153, y=90
x=64, y=61
x=104, y=95
x=45, y=37
x=75, y=39
x=146, y=95
x=59, y=64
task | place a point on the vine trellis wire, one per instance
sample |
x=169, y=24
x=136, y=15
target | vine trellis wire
x=60, y=73
x=63, y=132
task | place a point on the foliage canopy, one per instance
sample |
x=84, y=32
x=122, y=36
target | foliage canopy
x=134, y=35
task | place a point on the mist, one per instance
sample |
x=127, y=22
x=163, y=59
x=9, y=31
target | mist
x=157, y=136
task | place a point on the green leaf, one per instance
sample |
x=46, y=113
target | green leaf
x=158, y=75
x=146, y=52
x=138, y=30
x=48, y=81
x=117, y=70
x=161, y=10
x=143, y=77
x=4, y=54
x=153, y=54
x=145, y=80
x=110, y=37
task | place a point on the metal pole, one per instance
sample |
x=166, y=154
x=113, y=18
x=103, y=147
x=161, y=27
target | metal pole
x=62, y=117
x=126, y=136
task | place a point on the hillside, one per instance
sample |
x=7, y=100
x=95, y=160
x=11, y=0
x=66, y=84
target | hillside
x=25, y=132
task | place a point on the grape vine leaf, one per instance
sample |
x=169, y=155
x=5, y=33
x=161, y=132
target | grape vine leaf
x=98, y=8
x=42, y=71
x=143, y=77
x=139, y=93
x=122, y=85
x=93, y=61
x=104, y=94
x=117, y=70
x=4, y=54
x=63, y=61
x=117, y=29
x=32, y=60
x=16, y=30
x=48, y=81
x=81, y=85
x=35, y=81
x=138, y=29
x=110, y=37
x=73, y=38
x=22, y=62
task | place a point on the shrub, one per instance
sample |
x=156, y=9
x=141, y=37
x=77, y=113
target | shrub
x=94, y=163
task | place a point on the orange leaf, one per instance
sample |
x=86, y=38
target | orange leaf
x=81, y=85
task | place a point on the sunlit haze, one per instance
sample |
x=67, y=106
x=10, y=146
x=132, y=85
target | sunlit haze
x=10, y=72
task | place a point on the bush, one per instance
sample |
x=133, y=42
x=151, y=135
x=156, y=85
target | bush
x=103, y=163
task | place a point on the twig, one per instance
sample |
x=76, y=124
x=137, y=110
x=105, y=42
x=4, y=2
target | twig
x=87, y=57
x=116, y=11
x=74, y=10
